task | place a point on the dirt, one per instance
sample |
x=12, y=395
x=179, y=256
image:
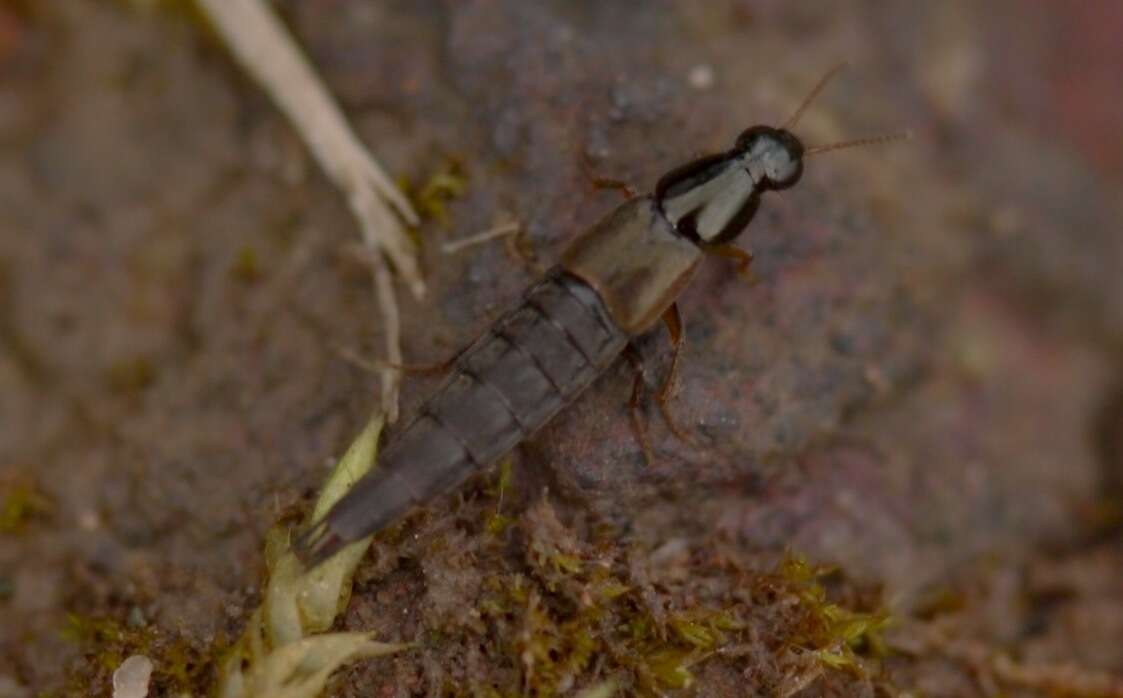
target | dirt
x=921, y=388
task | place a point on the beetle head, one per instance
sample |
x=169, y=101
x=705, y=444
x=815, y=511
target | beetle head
x=711, y=200
x=773, y=157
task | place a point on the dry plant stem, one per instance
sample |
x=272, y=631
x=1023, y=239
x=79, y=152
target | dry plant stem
x=262, y=45
x=284, y=651
x=388, y=303
x=480, y=238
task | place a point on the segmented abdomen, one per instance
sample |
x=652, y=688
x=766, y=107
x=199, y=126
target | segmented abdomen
x=532, y=362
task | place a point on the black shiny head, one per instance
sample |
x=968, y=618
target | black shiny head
x=773, y=155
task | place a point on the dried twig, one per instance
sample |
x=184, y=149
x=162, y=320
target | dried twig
x=262, y=45
x=497, y=232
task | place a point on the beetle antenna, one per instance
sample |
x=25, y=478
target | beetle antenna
x=813, y=94
x=876, y=140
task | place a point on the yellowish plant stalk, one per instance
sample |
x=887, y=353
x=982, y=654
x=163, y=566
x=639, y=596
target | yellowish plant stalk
x=280, y=654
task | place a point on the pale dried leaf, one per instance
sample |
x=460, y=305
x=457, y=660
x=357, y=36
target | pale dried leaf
x=277, y=654
x=300, y=669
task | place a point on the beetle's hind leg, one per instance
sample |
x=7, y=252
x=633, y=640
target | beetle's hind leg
x=673, y=320
x=636, y=401
x=353, y=357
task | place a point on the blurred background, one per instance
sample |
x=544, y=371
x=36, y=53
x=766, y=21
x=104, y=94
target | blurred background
x=923, y=387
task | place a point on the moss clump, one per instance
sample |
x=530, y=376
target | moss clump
x=499, y=522
x=105, y=642
x=246, y=267
x=21, y=502
x=131, y=376
x=431, y=197
x=559, y=611
x=837, y=637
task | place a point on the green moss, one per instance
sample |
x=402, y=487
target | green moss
x=130, y=376
x=105, y=642
x=574, y=608
x=670, y=667
x=21, y=501
x=431, y=197
x=569, y=615
x=557, y=613
x=497, y=523
x=836, y=635
x=703, y=629
x=247, y=265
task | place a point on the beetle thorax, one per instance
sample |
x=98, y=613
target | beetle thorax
x=707, y=203
x=712, y=200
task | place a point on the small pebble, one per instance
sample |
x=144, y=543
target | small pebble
x=131, y=678
x=701, y=77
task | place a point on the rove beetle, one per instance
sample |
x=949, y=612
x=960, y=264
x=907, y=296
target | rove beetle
x=614, y=282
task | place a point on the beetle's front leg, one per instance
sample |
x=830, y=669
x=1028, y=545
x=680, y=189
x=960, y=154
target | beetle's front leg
x=600, y=182
x=742, y=258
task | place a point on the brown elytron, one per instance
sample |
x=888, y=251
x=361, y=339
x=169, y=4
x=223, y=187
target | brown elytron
x=616, y=281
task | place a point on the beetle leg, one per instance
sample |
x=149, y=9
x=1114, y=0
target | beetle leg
x=636, y=360
x=619, y=185
x=519, y=248
x=673, y=320
x=516, y=243
x=428, y=369
x=742, y=258
x=353, y=357
x=600, y=182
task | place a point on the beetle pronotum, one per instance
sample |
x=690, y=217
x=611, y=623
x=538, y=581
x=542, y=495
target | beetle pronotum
x=613, y=283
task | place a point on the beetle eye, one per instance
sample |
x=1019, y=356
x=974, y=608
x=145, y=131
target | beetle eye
x=779, y=165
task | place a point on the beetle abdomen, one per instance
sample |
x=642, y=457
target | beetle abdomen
x=533, y=362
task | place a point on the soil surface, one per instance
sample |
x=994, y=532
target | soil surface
x=921, y=388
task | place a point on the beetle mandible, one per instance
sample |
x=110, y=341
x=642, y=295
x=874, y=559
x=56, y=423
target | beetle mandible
x=613, y=283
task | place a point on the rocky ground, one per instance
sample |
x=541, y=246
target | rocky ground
x=913, y=414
